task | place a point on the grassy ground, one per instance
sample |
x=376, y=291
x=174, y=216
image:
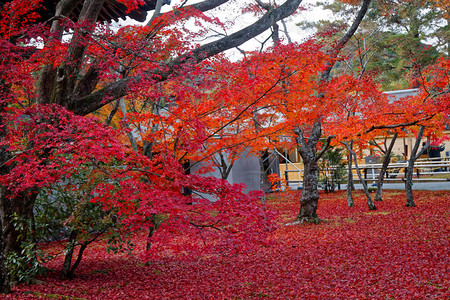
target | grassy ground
x=391, y=253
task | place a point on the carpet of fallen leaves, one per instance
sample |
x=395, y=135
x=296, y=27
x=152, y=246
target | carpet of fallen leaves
x=391, y=253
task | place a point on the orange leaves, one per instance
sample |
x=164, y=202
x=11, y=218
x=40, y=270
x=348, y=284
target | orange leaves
x=437, y=77
x=354, y=104
x=276, y=183
x=431, y=105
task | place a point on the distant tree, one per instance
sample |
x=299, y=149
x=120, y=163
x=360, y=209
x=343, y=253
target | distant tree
x=392, y=42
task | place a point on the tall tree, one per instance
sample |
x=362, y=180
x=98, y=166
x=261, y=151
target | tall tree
x=393, y=42
x=84, y=71
x=310, y=196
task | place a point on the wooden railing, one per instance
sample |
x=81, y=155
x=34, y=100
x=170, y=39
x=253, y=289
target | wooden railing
x=424, y=170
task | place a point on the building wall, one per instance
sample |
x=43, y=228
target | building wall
x=246, y=170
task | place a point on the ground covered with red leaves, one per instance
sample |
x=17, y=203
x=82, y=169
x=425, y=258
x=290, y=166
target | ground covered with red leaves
x=391, y=253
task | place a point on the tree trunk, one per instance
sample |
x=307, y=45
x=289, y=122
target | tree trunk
x=69, y=254
x=386, y=161
x=325, y=76
x=4, y=221
x=408, y=184
x=224, y=166
x=12, y=208
x=4, y=282
x=410, y=167
x=350, y=202
x=310, y=194
x=370, y=203
x=156, y=221
x=83, y=247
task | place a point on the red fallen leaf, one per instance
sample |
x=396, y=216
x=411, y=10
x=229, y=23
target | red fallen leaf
x=399, y=253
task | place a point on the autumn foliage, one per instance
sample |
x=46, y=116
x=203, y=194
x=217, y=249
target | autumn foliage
x=394, y=252
x=62, y=83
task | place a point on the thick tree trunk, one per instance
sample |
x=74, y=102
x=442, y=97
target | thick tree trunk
x=386, y=161
x=325, y=76
x=4, y=157
x=310, y=194
x=4, y=282
x=13, y=209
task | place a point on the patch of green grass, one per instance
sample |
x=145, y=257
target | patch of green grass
x=436, y=285
x=157, y=272
x=374, y=213
x=261, y=295
x=105, y=271
x=55, y=296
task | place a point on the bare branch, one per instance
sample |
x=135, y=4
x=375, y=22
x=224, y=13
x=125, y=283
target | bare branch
x=156, y=13
x=325, y=147
x=341, y=43
x=404, y=124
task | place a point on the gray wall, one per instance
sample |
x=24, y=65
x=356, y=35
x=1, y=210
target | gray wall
x=245, y=170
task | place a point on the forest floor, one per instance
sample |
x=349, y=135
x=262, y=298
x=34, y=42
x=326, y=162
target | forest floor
x=391, y=253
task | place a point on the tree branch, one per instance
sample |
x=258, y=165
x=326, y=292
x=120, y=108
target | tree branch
x=406, y=124
x=241, y=36
x=157, y=12
x=325, y=147
x=88, y=104
x=341, y=43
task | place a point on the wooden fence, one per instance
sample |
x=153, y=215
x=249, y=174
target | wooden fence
x=427, y=169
